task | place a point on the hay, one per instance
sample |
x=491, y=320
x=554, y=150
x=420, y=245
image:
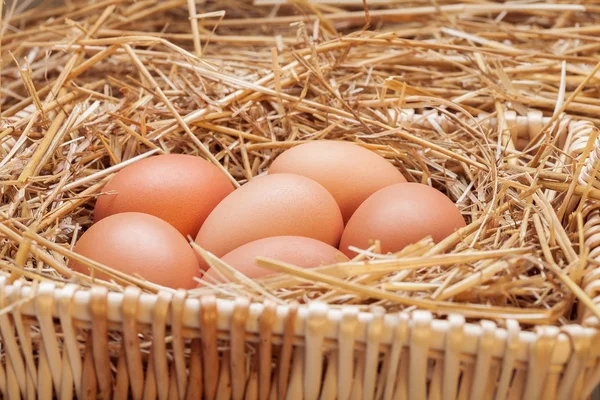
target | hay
x=444, y=91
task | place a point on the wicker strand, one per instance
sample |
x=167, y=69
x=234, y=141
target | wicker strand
x=286, y=350
x=551, y=384
x=570, y=385
x=177, y=308
x=3, y=388
x=121, y=385
x=66, y=383
x=346, y=339
x=16, y=380
x=210, y=357
x=466, y=381
x=24, y=336
x=374, y=332
x=454, y=339
x=273, y=391
x=65, y=301
x=317, y=316
x=399, y=341
x=237, y=353
x=224, y=380
x=483, y=362
x=44, y=381
x=265, y=350
x=159, y=349
x=508, y=364
x=13, y=385
x=357, y=391
x=401, y=392
x=172, y=383
x=194, y=389
x=590, y=379
x=329, y=387
x=252, y=386
x=385, y=364
x=150, y=385
x=89, y=383
x=435, y=381
x=99, y=334
x=419, y=347
x=539, y=361
x=581, y=133
x=131, y=343
x=493, y=377
x=295, y=389
x=44, y=303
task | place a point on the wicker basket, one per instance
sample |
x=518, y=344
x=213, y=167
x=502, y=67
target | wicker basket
x=167, y=346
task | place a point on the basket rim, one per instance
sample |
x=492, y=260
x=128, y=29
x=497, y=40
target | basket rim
x=74, y=300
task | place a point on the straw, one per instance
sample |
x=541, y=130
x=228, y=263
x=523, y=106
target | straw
x=483, y=109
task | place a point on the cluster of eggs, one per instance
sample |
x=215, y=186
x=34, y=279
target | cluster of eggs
x=318, y=200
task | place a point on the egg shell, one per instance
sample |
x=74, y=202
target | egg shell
x=272, y=205
x=296, y=250
x=349, y=172
x=177, y=188
x=136, y=243
x=399, y=215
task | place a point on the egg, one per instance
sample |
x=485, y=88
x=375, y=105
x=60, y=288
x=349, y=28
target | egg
x=399, y=215
x=272, y=205
x=136, y=243
x=296, y=250
x=349, y=172
x=179, y=189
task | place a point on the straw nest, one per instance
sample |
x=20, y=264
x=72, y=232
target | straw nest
x=443, y=91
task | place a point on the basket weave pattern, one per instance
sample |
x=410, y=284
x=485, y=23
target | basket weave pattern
x=234, y=349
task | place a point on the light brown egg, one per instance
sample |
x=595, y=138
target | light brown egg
x=349, y=172
x=399, y=215
x=177, y=188
x=296, y=250
x=136, y=243
x=272, y=205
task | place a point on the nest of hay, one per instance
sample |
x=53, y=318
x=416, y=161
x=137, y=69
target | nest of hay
x=439, y=89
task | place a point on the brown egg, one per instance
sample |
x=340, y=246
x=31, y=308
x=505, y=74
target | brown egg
x=272, y=205
x=349, y=172
x=142, y=244
x=176, y=188
x=296, y=250
x=399, y=215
